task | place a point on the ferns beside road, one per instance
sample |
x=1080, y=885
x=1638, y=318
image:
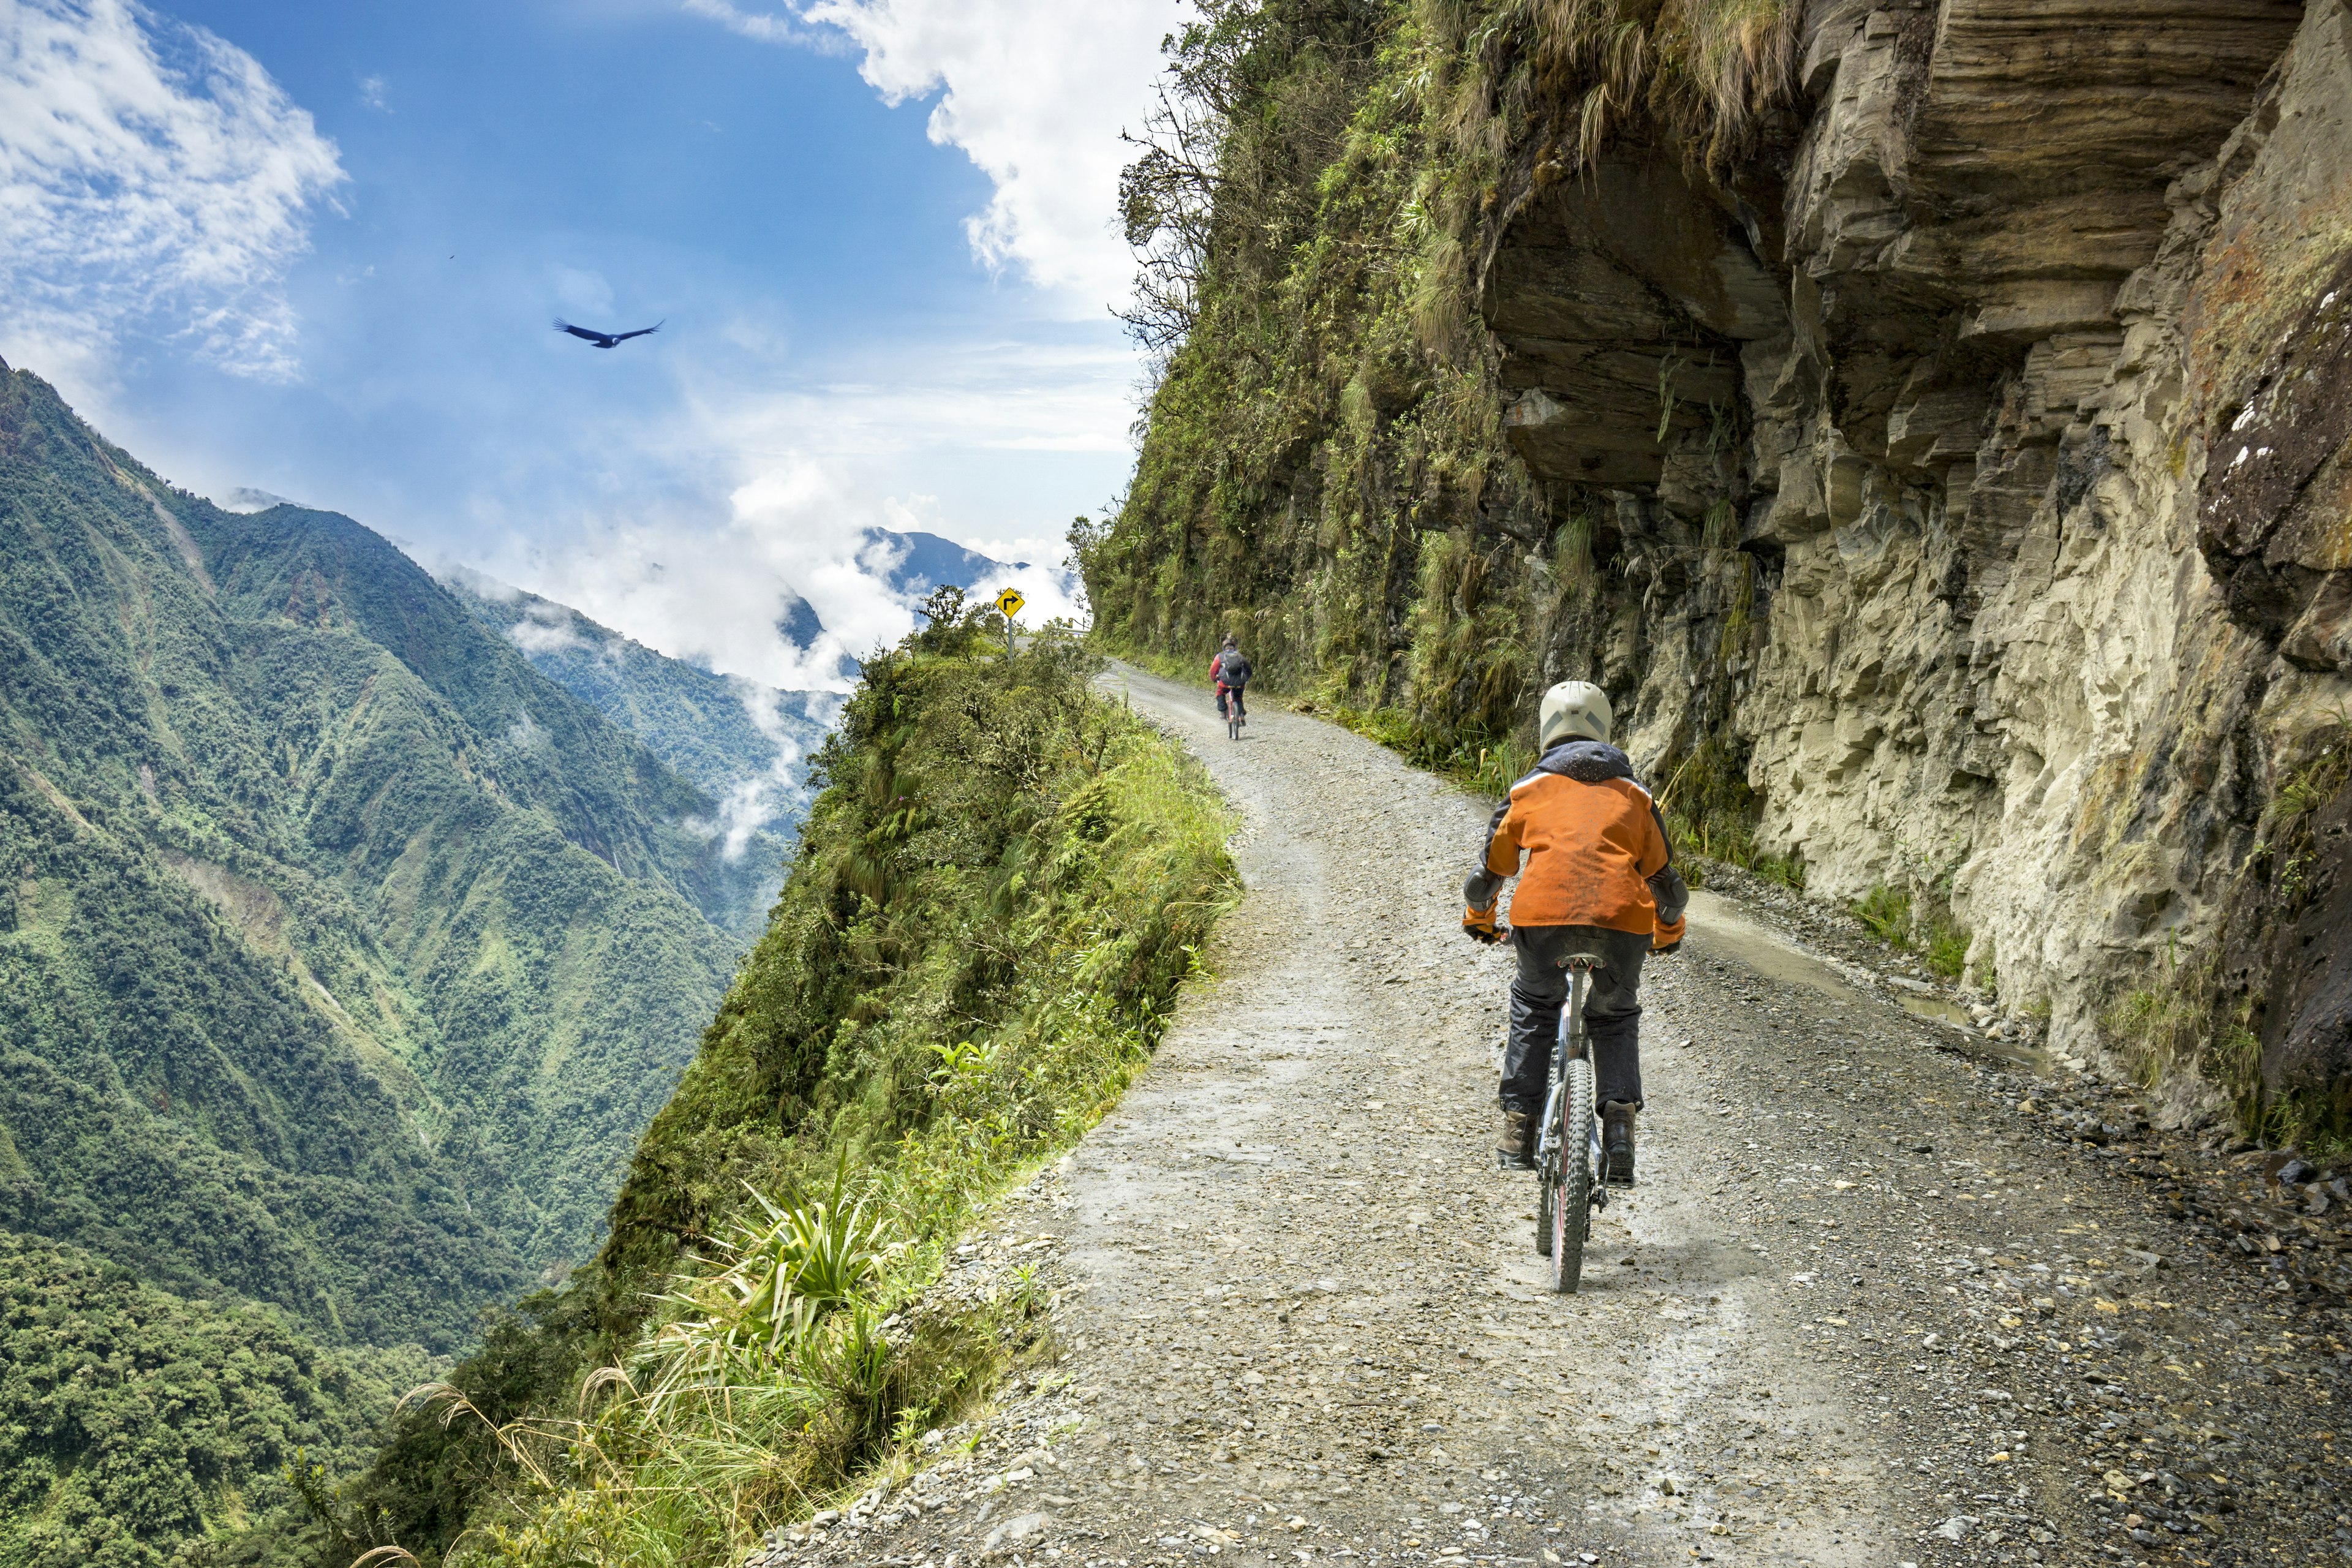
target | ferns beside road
x=995, y=899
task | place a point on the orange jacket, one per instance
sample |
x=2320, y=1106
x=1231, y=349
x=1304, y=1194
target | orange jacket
x=1595, y=846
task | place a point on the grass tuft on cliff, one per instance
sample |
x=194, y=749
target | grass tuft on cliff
x=997, y=892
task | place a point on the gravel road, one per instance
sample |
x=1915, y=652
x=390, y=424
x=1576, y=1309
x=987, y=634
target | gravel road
x=1883, y=1297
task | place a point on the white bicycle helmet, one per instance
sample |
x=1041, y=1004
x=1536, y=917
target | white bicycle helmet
x=1573, y=707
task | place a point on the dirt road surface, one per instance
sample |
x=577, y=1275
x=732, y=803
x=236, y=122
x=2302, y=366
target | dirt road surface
x=1862, y=1309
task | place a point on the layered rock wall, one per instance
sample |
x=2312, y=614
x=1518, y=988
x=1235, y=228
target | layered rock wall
x=1983, y=466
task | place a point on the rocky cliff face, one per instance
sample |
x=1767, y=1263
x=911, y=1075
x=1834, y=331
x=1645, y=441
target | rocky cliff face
x=2041, y=364
x=1964, y=456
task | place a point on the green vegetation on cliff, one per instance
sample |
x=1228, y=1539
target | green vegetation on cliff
x=997, y=891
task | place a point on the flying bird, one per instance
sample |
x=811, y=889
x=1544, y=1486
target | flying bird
x=606, y=340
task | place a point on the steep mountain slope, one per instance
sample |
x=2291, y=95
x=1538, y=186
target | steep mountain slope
x=1927, y=420
x=346, y=955
x=744, y=745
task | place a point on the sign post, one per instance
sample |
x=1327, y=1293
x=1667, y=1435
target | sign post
x=1008, y=605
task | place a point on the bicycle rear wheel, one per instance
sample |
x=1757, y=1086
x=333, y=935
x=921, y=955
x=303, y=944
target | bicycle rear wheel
x=1570, y=1196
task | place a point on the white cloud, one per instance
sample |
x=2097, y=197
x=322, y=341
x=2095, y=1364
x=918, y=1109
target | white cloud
x=755, y=803
x=1050, y=592
x=996, y=394
x=764, y=26
x=153, y=179
x=372, y=93
x=245, y=498
x=1036, y=92
x=713, y=592
x=546, y=628
x=797, y=527
x=792, y=480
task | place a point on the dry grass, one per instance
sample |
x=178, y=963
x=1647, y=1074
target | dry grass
x=1706, y=70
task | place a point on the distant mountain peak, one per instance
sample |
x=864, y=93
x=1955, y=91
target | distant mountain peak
x=927, y=560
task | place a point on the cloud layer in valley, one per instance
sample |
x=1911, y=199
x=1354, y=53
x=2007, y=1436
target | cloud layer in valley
x=797, y=531
x=152, y=177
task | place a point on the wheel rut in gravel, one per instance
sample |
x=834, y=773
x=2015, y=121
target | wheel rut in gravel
x=1848, y=1316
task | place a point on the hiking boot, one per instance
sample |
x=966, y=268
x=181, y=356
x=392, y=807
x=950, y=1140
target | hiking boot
x=1617, y=1143
x=1515, y=1150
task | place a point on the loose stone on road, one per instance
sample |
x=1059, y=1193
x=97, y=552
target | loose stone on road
x=1860, y=1310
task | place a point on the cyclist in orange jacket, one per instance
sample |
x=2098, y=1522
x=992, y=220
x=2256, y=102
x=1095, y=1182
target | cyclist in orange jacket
x=1597, y=877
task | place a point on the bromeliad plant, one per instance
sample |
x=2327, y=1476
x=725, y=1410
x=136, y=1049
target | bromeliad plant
x=781, y=1278
x=771, y=1386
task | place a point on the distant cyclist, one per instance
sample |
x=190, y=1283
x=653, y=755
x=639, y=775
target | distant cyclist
x=1598, y=877
x=1230, y=672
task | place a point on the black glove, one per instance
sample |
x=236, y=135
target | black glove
x=1671, y=894
x=1480, y=924
x=1667, y=937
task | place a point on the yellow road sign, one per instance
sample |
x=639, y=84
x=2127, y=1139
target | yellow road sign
x=1009, y=603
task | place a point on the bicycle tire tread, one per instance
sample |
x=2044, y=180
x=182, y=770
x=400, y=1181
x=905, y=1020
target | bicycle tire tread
x=1572, y=1192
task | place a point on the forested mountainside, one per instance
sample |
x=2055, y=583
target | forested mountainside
x=998, y=888
x=1927, y=421
x=342, y=956
x=133, y=1420
x=744, y=745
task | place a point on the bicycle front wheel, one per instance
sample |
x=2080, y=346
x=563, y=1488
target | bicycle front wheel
x=1571, y=1190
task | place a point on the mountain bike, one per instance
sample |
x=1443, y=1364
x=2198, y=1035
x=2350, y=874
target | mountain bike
x=1235, y=717
x=1568, y=1155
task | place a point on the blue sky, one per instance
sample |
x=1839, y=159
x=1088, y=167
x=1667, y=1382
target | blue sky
x=315, y=250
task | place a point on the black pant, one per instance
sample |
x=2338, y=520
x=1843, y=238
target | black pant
x=1233, y=694
x=1612, y=1012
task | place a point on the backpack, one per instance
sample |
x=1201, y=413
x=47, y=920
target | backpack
x=1232, y=667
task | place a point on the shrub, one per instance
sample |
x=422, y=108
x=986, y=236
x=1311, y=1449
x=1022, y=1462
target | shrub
x=1948, y=949
x=1886, y=910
